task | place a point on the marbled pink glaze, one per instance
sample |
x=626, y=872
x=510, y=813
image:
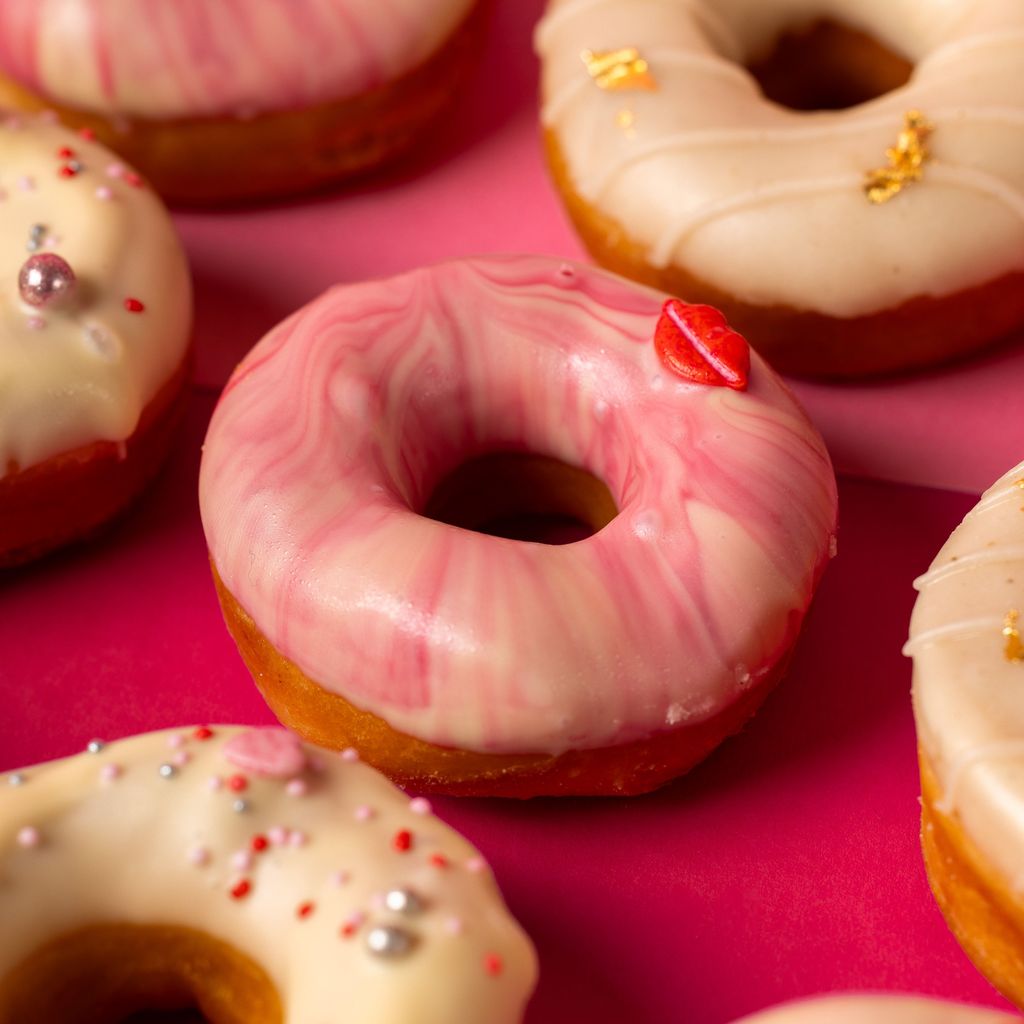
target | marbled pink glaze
x=336, y=427
x=189, y=58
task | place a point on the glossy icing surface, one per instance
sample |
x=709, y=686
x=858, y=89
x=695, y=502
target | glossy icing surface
x=192, y=58
x=967, y=680
x=83, y=369
x=332, y=433
x=318, y=831
x=877, y=1009
x=767, y=203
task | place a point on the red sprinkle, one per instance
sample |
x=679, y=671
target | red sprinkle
x=241, y=889
x=238, y=783
x=402, y=841
x=133, y=179
x=67, y=171
x=204, y=732
x=438, y=860
x=87, y=133
x=696, y=343
x=260, y=843
x=66, y=153
x=133, y=305
x=348, y=929
x=493, y=964
x=303, y=910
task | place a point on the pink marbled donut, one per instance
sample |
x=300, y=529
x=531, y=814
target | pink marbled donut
x=332, y=434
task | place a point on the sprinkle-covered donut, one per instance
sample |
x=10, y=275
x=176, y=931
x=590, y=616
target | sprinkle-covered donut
x=965, y=639
x=877, y=1009
x=216, y=101
x=875, y=238
x=242, y=873
x=475, y=663
x=95, y=324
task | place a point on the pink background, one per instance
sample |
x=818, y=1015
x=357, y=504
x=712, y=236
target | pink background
x=788, y=863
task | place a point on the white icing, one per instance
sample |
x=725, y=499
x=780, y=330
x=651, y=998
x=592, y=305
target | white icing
x=968, y=695
x=877, y=1009
x=766, y=203
x=83, y=370
x=142, y=849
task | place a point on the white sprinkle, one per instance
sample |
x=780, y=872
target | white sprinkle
x=95, y=746
x=110, y=772
x=199, y=856
x=350, y=754
x=16, y=779
x=420, y=805
x=29, y=837
x=364, y=813
x=241, y=860
x=297, y=787
x=240, y=806
x=167, y=771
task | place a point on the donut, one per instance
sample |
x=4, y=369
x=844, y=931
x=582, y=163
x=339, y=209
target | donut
x=880, y=237
x=361, y=452
x=257, y=880
x=877, y=1009
x=965, y=639
x=219, y=102
x=94, y=336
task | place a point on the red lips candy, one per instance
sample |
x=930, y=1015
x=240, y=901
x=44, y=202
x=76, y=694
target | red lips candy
x=696, y=343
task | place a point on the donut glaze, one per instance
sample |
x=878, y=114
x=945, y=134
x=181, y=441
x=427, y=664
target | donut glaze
x=333, y=432
x=168, y=59
x=968, y=673
x=877, y=1009
x=83, y=369
x=734, y=196
x=146, y=833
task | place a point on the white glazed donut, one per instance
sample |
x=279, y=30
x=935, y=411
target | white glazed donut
x=91, y=378
x=476, y=663
x=682, y=174
x=877, y=1009
x=965, y=638
x=259, y=880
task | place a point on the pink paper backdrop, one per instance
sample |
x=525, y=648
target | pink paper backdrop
x=785, y=865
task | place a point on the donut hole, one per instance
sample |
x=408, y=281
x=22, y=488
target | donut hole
x=108, y=974
x=828, y=66
x=522, y=496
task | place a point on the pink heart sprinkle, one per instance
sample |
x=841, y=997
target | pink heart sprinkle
x=272, y=752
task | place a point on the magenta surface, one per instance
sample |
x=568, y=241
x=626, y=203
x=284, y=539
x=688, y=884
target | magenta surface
x=788, y=863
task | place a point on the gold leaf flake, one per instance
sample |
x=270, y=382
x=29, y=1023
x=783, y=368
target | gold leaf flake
x=1013, y=649
x=906, y=160
x=619, y=69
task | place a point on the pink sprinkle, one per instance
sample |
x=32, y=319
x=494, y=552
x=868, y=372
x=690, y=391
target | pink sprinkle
x=110, y=772
x=35, y=323
x=29, y=837
x=199, y=856
x=277, y=835
x=52, y=241
x=26, y=184
x=241, y=860
x=297, y=838
x=476, y=865
x=115, y=170
x=377, y=900
x=339, y=878
x=350, y=754
x=364, y=813
x=454, y=926
x=181, y=758
x=317, y=765
x=48, y=116
x=214, y=782
x=297, y=787
x=13, y=123
x=176, y=741
x=105, y=193
x=3, y=194
x=420, y=805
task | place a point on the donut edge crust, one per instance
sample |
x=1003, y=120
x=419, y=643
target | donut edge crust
x=328, y=720
x=977, y=903
x=72, y=495
x=217, y=160
x=127, y=967
x=921, y=332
